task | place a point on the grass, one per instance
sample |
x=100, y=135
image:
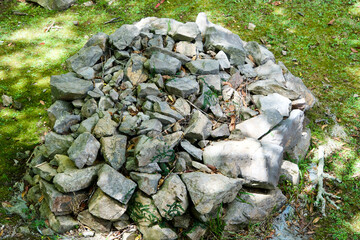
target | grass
x=319, y=53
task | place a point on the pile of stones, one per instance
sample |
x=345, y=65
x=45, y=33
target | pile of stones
x=167, y=124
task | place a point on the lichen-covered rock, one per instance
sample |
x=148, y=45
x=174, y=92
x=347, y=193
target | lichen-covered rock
x=143, y=210
x=199, y=127
x=146, y=182
x=57, y=144
x=113, y=149
x=96, y=224
x=124, y=36
x=164, y=64
x=182, y=87
x=105, y=127
x=86, y=57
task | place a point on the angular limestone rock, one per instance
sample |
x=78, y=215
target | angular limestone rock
x=135, y=71
x=57, y=144
x=105, y=127
x=86, y=57
x=158, y=232
x=203, y=66
x=96, y=224
x=146, y=182
x=275, y=101
x=123, y=36
x=182, y=87
x=84, y=150
x=143, y=210
x=290, y=172
x=164, y=64
x=113, y=149
x=199, y=127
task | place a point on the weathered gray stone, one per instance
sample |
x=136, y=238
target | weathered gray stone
x=105, y=127
x=64, y=163
x=265, y=87
x=54, y=4
x=221, y=132
x=186, y=48
x=164, y=108
x=69, y=87
x=182, y=107
x=58, y=109
x=192, y=150
x=45, y=171
x=149, y=125
x=87, y=73
x=131, y=165
x=203, y=66
x=253, y=49
x=96, y=93
x=96, y=224
x=199, y=127
x=299, y=151
x=252, y=208
x=151, y=150
x=173, y=139
x=105, y=103
x=288, y=133
x=201, y=167
x=57, y=144
x=196, y=232
x=258, y=126
x=182, y=87
x=165, y=120
x=143, y=210
x=270, y=71
x=113, y=149
x=145, y=89
x=62, y=124
x=247, y=70
x=115, y=184
x=182, y=58
x=164, y=64
x=171, y=200
x=290, y=172
x=129, y=124
x=146, y=182
x=89, y=108
x=123, y=36
x=72, y=180
x=84, y=150
x=275, y=101
x=258, y=163
x=78, y=103
x=158, y=232
x=212, y=82
x=99, y=39
x=186, y=32
x=88, y=124
x=86, y=57
x=34, y=194
x=104, y=207
x=135, y=71
x=156, y=41
x=208, y=191
x=216, y=38
x=223, y=60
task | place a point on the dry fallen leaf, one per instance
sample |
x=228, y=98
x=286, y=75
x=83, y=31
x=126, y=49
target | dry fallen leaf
x=354, y=50
x=276, y=3
x=227, y=83
x=232, y=123
x=42, y=102
x=251, y=58
x=331, y=22
x=316, y=220
x=231, y=108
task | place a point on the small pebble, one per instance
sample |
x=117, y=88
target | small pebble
x=251, y=26
x=76, y=23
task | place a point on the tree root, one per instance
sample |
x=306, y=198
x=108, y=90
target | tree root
x=322, y=195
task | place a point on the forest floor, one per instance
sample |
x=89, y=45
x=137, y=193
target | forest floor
x=322, y=45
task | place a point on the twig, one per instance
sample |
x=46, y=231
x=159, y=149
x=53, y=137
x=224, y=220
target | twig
x=113, y=20
x=48, y=28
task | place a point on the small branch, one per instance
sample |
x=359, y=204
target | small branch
x=113, y=20
x=48, y=28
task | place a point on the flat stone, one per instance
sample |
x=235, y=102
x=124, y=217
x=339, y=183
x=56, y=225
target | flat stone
x=86, y=57
x=299, y=151
x=55, y=5
x=265, y=87
x=256, y=162
x=290, y=172
x=182, y=107
x=201, y=167
x=158, y=232
x=151, y=150
x=63, y=124
x=135, y=71
x=64, y=163
x=72, y=180
x=223, y=60
x=199, y=127
x=258, y=126
x=58, y=109
x=87, y=73
x=186, y=32
x=173, y=139
x=89, y=108
x=247, y=70
x=113, y=149
x=165, y=120
x=171, y=200
x=164, y=108
x=88, y=124
x=182, y=87
x=124, y=36
x=156, y=41
x=270, y=71
x=149, y=125
x=196, y=232
x=211, y=81
x=45, y=171
x=105, y=127
x=145, y=89
x=99, y=39
x=57, y=144
x=96, y=224
x=104, y=207
x=84, y=150
x=115, y=184
x=105, y=103
x=203, y=66
x=146, y=182
x=186, y=48
x=69, y=87
x=275, y=101
x=221, y=132
x=208, y=191
x=129, y=125
x=143, y=210
x=164, y=64
x=182, y=58
x=192, y=150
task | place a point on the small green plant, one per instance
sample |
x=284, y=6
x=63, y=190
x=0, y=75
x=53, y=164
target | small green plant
x=139, y=211
x=174, y=209
x=217, y=225
x=164, y=154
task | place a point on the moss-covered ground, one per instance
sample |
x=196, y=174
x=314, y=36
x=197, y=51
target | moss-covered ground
x=320, y=37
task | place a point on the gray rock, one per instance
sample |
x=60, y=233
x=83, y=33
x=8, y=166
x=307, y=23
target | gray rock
x=216, y=38
x=202, y=22
x=145, y=89
x=288, y=133
x=105, y=127
x=164, y=64
x=270, y=71
x=55, y=5
x=121, y=55
x=247, y=70
x=99, y=39
x=196, y=232
x=182, y=107
x=115, y=184
x=251, y=208
x=182, y=221
x=113, y=149
x=143, y=210
x=88, y=124
x=84, y=150
x=104, y=207
x=221, y=132
x=122, y=225
x=182, y=58
x=131, y=165
x=124, y=36
x=58, y=109
x=182, y=87
x=212, y=82
x=203, y=66
x=86, y=57
x=129, y=125
x=258, y=126
x=158, y=232
x=96, y=224
x=208, y=191
x=69, y=87
x=156, y=41
x=64, y=163
x=186, y=48
x=201, y=167
x=192, y=150
x=135, y=71
x=199, y=127
x=158, y=80
x=6, y=100
x=164, y=108
x=171, y=200
x=151, y=150
x=146, y=182
x=217, y=111
x=173, y=139
x=255, y=162
x=78, y=103
x=63, y=124
x=299, y=151
x=87, y=73
x=34, y=194
x=223, y=60
x=265, y=87
x=227, y=92
x=89, y=108
x=105, y=103
x=45, y=171
x=96, y=93
x=57, y=144
x=290, y=172
x=165, y=120
x=186, y=32
x=72, y=180
x=149, y=125
x=275, y=101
